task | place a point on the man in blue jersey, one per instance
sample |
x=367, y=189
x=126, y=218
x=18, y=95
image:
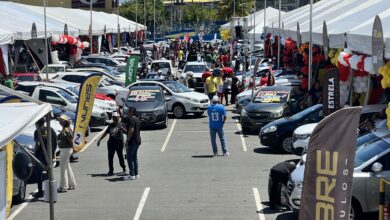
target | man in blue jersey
x=217, y=117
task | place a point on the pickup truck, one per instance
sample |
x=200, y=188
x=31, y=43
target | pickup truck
x=64, y=100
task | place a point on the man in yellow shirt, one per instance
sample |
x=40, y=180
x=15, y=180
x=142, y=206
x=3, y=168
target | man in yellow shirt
x=211, y=84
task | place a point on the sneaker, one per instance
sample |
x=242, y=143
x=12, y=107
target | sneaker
x=129, y=177
x=71, y=188
x=215, y=155
x=61, y=190
x=38, y=195
x=226, y=154
x=137, y=176
x=110, y=173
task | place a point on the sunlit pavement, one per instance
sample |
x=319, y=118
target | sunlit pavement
x=179, y=179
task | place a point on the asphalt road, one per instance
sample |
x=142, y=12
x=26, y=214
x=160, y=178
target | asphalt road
x=179, y=179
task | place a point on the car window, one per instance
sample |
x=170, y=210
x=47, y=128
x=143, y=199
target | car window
x=315, y=117
x=28, y=89
x=48, y=96
x=369, y=150
x=384, y=160
x=73, y=78
x=195, y=68
x=177, y=87
x=144, y=95
x=55, y=69
x=68, y=96
x=264, y=96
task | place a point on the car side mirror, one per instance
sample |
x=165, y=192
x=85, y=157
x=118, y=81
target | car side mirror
x=377, y=167
x=167, y=99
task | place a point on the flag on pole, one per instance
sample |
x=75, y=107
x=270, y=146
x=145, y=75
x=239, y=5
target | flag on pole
x=131, y=69
x=327, y=185
x=84, y=109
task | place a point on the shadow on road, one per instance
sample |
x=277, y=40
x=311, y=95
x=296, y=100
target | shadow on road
x=190, y=116
x=267, y=150
x=97, y=129
x=203, y=156
x=106, y=175
x=116, y=179
x=287, y=216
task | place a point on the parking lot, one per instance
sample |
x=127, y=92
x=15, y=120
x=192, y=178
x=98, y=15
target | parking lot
x=179, y=179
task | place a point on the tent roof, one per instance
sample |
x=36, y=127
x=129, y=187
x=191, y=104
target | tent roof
x=80, y=19
x=6, y=37
x=14, y=117
x=19, y=20
x=271, y=13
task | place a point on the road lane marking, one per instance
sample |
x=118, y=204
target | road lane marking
x=21, y=207
x=141, y=203
x=168, y=136
x=241, y=136
x=93, y=139
x=259, y=207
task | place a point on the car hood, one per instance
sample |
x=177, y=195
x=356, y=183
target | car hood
x=305, y=129
x=144, y=106
x=282, y=122
x=263, y=107
x=193, y=95
x=247, y=93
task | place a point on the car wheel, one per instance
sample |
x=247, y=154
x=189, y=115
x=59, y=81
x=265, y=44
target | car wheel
x=355, y=211
x=198, y=114
x=20, y=197
x=165, y=125
x=179, y=111
x=286, y=144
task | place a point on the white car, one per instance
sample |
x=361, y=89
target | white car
x=301, y=137
x=118, y=79
x=182, y=99
x=165, y=66
x=197, y=69
x=104, y=87
x=53, y=69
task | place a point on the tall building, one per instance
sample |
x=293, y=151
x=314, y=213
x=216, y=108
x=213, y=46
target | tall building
x=98, y=5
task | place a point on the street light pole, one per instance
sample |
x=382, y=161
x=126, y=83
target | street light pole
x=90, y=27
x=254, y=24
x=136, y=23
x=280, y=8
x=117, y=20
x=264, y=24
x=310, y=48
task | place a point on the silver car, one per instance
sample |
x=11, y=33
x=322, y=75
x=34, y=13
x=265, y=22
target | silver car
x=372, y=160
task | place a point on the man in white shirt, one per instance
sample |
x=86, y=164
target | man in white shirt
x=159, y=75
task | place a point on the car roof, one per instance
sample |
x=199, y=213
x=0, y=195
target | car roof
x=373, y=108
x=196, y=63
x=74, y=73
x=145, y=87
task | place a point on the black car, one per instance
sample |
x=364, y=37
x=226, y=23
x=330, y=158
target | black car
x=278, y=134
x=269, y=103
x=150, y=103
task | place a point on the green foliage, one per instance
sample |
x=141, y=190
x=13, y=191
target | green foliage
x=241, y=7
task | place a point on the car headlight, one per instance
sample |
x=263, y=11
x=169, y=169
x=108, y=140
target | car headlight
x=160, y=109
x=243, y=112
x=277, y=114
x=302, y=136
x=270, y=129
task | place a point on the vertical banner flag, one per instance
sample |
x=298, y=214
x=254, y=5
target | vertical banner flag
x=131, y=69
x=325, y=40
x=327, y=186
x=84, y=109
x=378, y=44
x=9, y=176
x=331, y=95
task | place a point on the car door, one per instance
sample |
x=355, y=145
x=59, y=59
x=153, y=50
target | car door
x=372, y=182
x=52, y=98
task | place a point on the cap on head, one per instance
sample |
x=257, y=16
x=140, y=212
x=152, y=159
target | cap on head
x=216, y=72
x=215, y=99
x=115, y=114
x=159, y=71
x=64, y=118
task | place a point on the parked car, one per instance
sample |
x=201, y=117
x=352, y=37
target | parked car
x=301, y=135
x=104, y=60
x=150, y=103
x=19, y=186
x=52, y=70
x=269, y=103
x=279, y=134
x=63, y=100
x=114, y=77
x=372, y=160
x=103, y=87
x=20, y=77
x=165, y=66
x=182, y=99
x=244, y=98
x=197, y=69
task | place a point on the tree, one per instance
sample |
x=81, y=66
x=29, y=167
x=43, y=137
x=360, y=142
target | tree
x=241, y=7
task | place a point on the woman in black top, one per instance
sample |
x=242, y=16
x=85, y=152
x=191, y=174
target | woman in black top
x=132, y=143
x=115, y=143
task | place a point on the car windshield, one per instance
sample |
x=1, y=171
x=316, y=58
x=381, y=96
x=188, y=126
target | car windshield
x=273, y=96
x=25, y=139
x=369, y=150
x=67, y=96
x=194, y=68
x=144, y=95
x=177, y=87
x=160, y=65
x=25, y=78
x=74, y=89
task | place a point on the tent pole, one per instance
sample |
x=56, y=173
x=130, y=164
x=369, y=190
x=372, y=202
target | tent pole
x=136, y=22
x=90, y=28
x=310, y=50
x=48, y=118
x=265, y=17
x=279, y=40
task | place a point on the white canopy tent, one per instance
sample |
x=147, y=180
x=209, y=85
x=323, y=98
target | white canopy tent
x=80, y=19
x=259, y=17
x=6, y=37
x=19, y=20
x=360, y=38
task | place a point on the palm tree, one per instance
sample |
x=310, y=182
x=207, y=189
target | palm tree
x=235, y=8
